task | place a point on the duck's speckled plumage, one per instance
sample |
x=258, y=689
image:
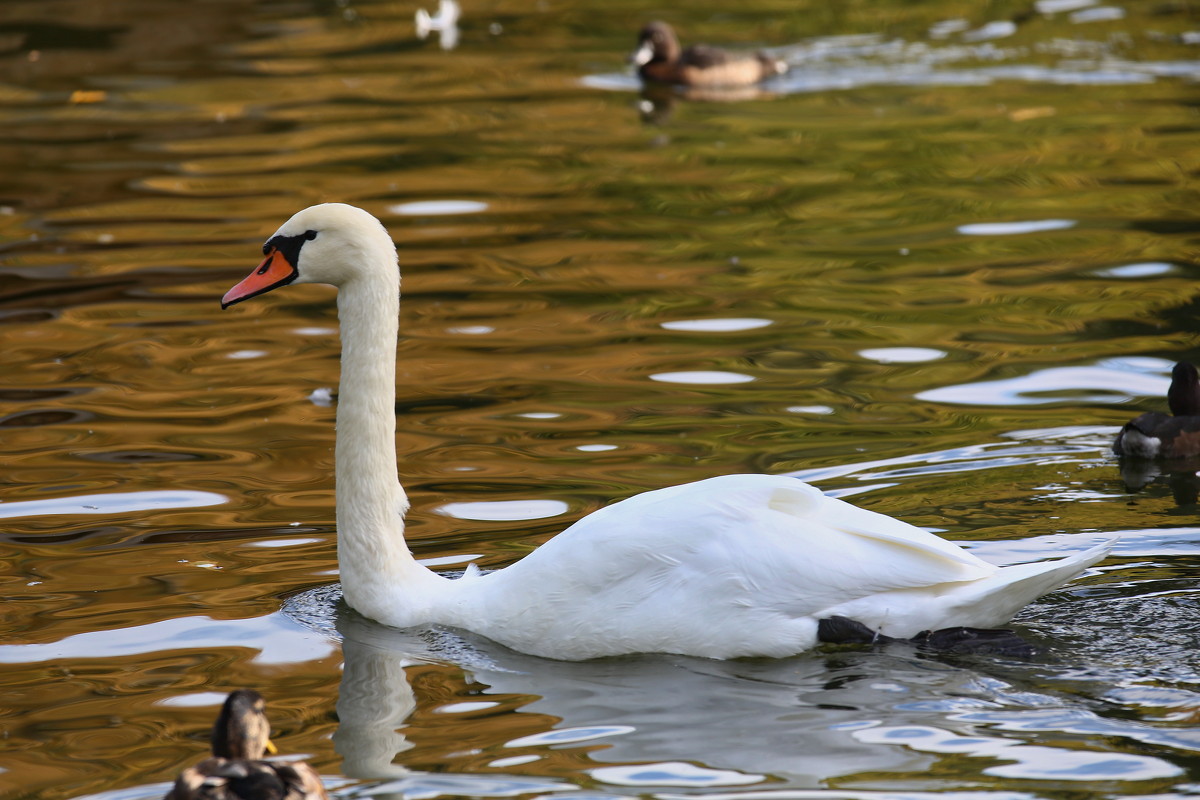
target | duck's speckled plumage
x=236, y=771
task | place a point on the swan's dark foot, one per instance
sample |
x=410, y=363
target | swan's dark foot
x=843, y=630
x=977, y=641
x=980, y=641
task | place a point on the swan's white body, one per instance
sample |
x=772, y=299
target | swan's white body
x=740, y=565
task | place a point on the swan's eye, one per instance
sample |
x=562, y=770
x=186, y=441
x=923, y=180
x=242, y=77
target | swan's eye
x=289, y=246
x=267, y=249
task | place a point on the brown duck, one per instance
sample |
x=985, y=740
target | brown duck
x=1157, y=435
x=660, y=59
x=236, y=771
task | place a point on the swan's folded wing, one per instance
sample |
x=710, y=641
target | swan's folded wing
x=809, y=506
x=770, y=541
x=817, y=551
x=737, y=565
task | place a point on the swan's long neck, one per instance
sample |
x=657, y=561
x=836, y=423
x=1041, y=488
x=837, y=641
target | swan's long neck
x=378, y=573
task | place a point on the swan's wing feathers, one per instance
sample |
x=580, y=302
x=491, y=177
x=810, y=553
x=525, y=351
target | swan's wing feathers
x=810, y=508
x=848, y=550
x=752, y=540
x=737, y=565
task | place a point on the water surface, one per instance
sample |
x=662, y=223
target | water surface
x=931, y=270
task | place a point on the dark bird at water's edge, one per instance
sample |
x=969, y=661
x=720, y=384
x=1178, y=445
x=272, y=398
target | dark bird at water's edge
x=659, y=58
x=236, y=771
x=1158, y=435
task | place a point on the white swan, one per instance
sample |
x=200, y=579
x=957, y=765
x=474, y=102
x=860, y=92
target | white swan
x=740, y=565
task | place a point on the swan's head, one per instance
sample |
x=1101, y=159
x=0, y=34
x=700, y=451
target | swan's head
x=328, y=243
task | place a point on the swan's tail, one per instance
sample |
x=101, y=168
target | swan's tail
x=987, y=602
x=996, y=599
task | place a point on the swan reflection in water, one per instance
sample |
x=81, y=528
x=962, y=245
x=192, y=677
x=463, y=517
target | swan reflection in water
x=661, y=723
x=744, y=719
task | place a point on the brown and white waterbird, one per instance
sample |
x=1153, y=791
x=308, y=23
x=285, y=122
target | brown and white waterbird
x=236, y=769
x=1158, y=435
x=659, y=58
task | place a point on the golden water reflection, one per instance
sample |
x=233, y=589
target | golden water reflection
x=931, y=272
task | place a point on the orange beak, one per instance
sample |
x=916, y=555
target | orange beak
x=273, y=272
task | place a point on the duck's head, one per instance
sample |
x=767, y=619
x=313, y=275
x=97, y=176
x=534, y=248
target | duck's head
x=241, y=730
x=656, y=42
x=327, y=243
x=1183, y=397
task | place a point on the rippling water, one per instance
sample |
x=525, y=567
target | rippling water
x=932, y=269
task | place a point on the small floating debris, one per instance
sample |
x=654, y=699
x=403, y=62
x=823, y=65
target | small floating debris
x=445, y=22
